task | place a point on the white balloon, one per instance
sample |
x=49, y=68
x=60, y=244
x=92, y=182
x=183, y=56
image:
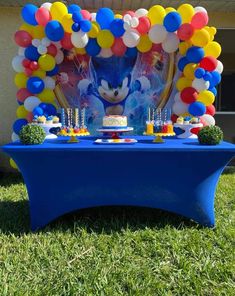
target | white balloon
x=21, y=51
x=36, y=42
x=157, y=34
x=47, y=5
x=49, y=82
x=131, y=39
x=127, y=18
x=208, y=119
x=220, y=67
x=106, y=53
x=134, y=22
x=31, y=102
x=141, y=12
x=93, y=16
x=59, y=57
x=45, y=41
x=79, y=39
x=177, y=97
x=42, y=49
x=171, y=44
x=179, y=108
x=14, y=137
x=17, y=63
x=200, y=9
x=200, y=84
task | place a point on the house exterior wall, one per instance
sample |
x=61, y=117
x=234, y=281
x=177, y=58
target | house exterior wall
x=10, y=21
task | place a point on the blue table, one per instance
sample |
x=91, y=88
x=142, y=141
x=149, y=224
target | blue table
x=178, y=176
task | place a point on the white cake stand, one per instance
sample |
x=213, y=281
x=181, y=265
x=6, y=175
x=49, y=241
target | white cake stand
x=114, y=133
x=187, y=130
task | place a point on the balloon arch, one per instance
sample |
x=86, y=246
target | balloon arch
x=52, y=28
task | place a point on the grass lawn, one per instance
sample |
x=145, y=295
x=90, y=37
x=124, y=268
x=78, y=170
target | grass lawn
x=116, y=251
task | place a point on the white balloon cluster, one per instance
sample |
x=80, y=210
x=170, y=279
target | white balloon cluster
x=41, y=45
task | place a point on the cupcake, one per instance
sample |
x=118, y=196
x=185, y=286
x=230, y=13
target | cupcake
x=187, y=120
x=42, y=119
x=56, y=119
x=49, y=120
x=180, y=120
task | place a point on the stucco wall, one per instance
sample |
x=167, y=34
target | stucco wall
x=9, y=22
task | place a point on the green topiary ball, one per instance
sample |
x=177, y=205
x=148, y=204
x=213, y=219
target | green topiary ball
x=32, y=134
x=210, y=135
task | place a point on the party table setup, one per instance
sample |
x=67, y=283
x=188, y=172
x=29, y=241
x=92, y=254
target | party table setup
x=117, y=110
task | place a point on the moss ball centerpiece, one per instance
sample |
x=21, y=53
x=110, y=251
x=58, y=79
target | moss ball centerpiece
x=210, y=135
x=32, y=134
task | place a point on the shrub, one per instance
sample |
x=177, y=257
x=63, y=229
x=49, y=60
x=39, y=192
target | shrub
x=210, y=135
x=32, y=134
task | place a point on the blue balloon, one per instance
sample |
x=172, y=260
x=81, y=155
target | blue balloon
x=85, y=26
x=216, y=77
x=172, y=21
x=213, y=90
x=73, y=8
x=93, y=47
x=31, y=53
x=131, y=52
x=20, y=103
x=43, y=106
x=38, y=111
x=35, y=85
x=104, y=17
x=54, y=31
x=195, y=54
x=76, y=27
x=28, y=14
x=18, y=124
x=117, y=27
x=197, y=109
x=199, y=73
x=182, y=63
x=50, y=110
x=53, y=71
x=77, y=17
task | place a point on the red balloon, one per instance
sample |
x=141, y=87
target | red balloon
x=34, y=65
x=156, y=47
x=23, y=38
x=86, y=14
x=23, y=94
x=209, y=63
x=52, y=49
x=185, y=31
x=28, y=71
x=199, y=20
x=210, y=110
x=30, y=117
x=118, y=48
x=66, y=41
x=130, y=12
x=174, y=118
x=144, y=25
x=42, y=16
x=26, y=63
x=189, y=95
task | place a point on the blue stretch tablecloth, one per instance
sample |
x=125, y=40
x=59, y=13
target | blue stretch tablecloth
x=178, y=176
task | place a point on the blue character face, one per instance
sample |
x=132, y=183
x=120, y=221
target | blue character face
x=113, y=76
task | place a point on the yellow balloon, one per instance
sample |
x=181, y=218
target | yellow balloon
x=21, y=112
x=105, y=39
x=184, y=46
x=13, y=164
x=186, y=11
x=208, y=29
x=39, y=73
x=119, y=16
x=81, y=51
x=95, y=28
x=26, y=27
x=47, y=96
x=200, y=38
x=206, y=97
x=38, y=32
x=183, y=82
x=67, y=22
x=169, y=9
x=46, y=62
x=145, y=44
x=156, y=14
x=189, y=70
x=58, y=10
x=20, y=80
x=213, y=49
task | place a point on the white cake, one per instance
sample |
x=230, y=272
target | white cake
x=114, y=121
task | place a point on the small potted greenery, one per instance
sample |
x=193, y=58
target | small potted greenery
x=32, y=134
x=210, y=135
